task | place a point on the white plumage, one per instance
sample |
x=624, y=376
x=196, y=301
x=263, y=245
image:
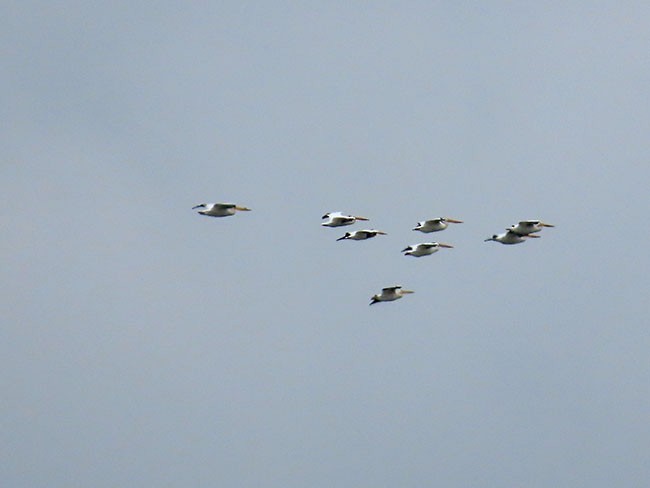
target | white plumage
x=339, y=219
x=527, y=227
x=435, y=225
x=220, y=209
x=389, y=294
x=509, y=238
x=360, y=235
x=424, y=249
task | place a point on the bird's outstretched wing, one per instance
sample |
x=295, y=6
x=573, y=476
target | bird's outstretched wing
x=223, y=206
x=391, y=288
x=528, y=224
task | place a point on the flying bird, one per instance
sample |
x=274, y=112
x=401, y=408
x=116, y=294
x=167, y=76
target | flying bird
x=389, y=294
x=435, y=225
x=338, y=219
x=220, y=209
x=424, y=249
x=509, y=237
x=527, y=227
x=361, y=235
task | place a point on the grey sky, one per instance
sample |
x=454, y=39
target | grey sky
x=144, y=345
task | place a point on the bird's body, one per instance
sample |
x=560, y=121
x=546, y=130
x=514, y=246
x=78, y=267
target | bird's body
x=435, y=225
x=424, y=249
x=509, y=238
x=338, y=219
x=220, y=209
x=389, y=294
x=361, y=235
x=527, y=227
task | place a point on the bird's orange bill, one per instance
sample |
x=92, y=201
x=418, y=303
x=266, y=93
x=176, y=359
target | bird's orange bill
x=407, y=291
x=445, y=245
x=361, y=218
x=242, y=209
x=532, y=235
x=543, y=224
x=454, y=221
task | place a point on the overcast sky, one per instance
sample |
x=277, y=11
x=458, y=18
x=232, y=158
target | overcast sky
x=145, y=345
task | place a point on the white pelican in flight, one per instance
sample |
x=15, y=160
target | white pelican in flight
x=435, y=225
x=424, y=249
x=220, y=209
x=338, y=219
x=361, y=235
x=389, y=294
x=527, y=227
x=509, y=238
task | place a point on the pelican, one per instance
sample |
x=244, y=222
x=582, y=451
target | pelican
x=389, y=294
x=361, y=235
x=338, y=219
x=435, y=225
x=424, y=249
x=220, y=209
x=509, y=237
x=527, y=227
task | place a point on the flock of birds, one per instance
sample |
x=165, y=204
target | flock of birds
x=515, y=234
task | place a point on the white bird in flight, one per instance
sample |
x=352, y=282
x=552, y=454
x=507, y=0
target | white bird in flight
x=527, y=227
x=361, y=235
x=220, y=209
x=510, y=238
x=389, y=294
x=435, y=225
x=424, y=249
x=338, y=219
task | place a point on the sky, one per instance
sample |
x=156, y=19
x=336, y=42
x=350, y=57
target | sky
x=145, y=345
